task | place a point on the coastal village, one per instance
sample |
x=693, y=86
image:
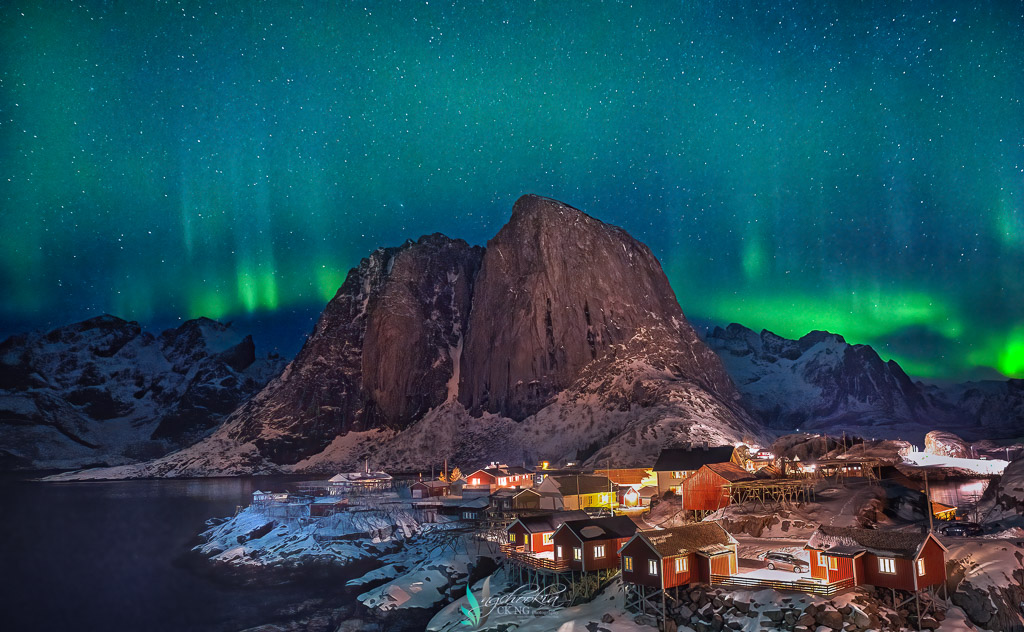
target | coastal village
x=851, y=536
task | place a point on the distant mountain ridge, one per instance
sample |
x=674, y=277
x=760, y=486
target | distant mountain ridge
x=821, y=383
x=561, y=339
x=104, y=391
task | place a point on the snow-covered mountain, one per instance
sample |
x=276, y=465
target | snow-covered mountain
x=104, y=391
x=820, y=383
x=562, y=338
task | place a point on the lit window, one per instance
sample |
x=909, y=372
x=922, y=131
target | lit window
x=512, y=538
x=577, y=553
x=920, y=566
x=558, y=552
x=627, y=563
x=652, y=567
x=680, y=564
x=501, y=481
x=599, y=551
x=547, y=538
x=604, y=498
x=833, y=563
x=474, y=481
x=886, y=565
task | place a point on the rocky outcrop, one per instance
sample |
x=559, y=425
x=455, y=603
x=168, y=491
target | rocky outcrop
x=942, y=443
x=103, y=390
x=383, y=352
x=558, y=289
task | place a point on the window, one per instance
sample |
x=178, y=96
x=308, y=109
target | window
x=558, y=552
x=920, y=566
x=598, y=551
x=652, y=567
x=886, y=565
x=512, y=538
x=501, y=481
x=627, y=563
x=577, y=553
x=680, y=564
x=547, y=538
x=474, y=481
x=833, y=563
x=468, y=515
x=604, y=499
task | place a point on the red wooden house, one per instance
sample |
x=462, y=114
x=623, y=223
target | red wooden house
x=674, y=465
x=592, y=544
x=429, y=489
x=706, y=490
x=498, y=476
x=666, y=558
x=533, y=534
x=900, y=560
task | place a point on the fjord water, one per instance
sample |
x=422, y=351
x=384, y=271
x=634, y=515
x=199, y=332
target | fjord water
x=108, y=556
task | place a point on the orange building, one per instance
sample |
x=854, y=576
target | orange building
x=889, y=559
x=706, y=490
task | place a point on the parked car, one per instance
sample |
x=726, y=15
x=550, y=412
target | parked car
x=785, y=561
x=962, y=529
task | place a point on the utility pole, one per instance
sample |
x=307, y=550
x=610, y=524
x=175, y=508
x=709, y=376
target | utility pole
x=928, y=501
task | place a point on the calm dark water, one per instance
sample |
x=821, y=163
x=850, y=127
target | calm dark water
x=106, y=556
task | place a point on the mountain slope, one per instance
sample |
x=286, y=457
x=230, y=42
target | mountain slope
x=102, y=390
x=822, y=383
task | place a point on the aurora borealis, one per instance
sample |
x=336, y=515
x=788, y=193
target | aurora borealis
x=856, y=167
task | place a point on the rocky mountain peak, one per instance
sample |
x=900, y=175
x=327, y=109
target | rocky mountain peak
x=556, y=289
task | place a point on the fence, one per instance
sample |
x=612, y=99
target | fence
x=817, y=588
x=516, y=554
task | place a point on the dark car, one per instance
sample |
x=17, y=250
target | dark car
x=962, y=529
x=785, y=561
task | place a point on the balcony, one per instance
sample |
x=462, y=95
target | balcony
x=544, y=561
x=803, y=585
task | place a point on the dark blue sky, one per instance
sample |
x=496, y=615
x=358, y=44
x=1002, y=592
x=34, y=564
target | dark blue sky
x=856, y=167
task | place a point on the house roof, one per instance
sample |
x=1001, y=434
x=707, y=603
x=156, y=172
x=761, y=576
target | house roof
x=432, y=483
x=612, y=528
x=648, y=492
x=583, y=484
x=885, y=543
x=548, y=522
x=704, y=537
x=480, y=502
x=689, y=459
x=520, y=492
x=731, y=472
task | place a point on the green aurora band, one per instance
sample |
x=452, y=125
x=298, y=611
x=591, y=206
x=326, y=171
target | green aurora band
x=857, y=168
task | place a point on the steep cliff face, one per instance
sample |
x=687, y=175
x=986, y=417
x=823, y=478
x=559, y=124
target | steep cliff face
x=557, y=289
x=562, y=339
x=382, y=353
x=103, y=390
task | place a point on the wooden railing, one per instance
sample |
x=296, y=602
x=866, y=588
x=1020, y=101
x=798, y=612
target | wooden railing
x=520, y=556
x=817, y=588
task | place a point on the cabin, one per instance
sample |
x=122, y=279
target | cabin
x=348, y=482
x=899, y=560
x=592, y=544
x=515, y=500
x=631, y=497
x=469, y=510
x=576, y=492
x=706, y=490
x=635, y=476
x=676, y=464
x=679, y=556
x=429, y=489
x=496, y=476
x=325, y=506
x=533, y=534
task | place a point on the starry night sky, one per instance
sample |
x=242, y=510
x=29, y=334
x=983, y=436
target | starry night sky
x=857, y=167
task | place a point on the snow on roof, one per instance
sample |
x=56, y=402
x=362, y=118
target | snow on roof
x=884, y=543
x=359, y=477
x=731, y=472
x=602, y=528
x=704, y=537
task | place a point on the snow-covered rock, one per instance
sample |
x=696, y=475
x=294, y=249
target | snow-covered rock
x=102, y=390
